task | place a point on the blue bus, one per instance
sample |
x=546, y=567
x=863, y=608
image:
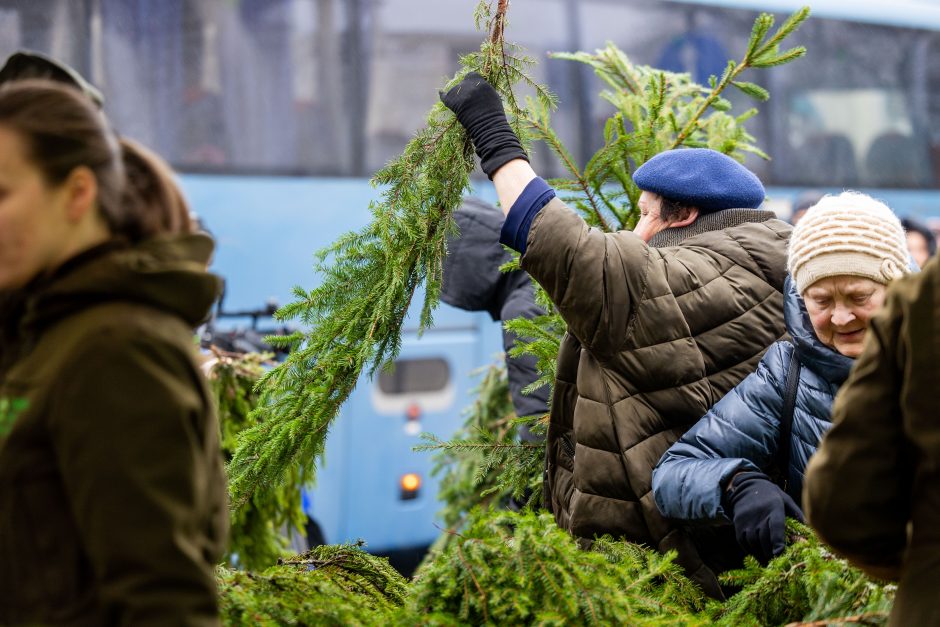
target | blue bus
x=277, y=111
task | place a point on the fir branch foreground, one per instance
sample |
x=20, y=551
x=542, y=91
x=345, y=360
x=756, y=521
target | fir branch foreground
x=258, y=533
x=509, y=568
x=370, y=279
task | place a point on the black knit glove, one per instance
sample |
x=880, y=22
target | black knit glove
x=479, y=109
x=759, y=509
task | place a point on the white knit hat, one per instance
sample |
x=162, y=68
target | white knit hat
x=849, y=234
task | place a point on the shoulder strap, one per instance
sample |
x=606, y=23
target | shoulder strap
x=786, y=420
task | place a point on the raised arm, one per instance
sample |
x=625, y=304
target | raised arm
x=593, y=278
x=479, y=109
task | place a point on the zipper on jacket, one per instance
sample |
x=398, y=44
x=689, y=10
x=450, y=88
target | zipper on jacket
x=567, y=445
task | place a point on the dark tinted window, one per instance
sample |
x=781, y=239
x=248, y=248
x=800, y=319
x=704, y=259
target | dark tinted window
x=415, y=376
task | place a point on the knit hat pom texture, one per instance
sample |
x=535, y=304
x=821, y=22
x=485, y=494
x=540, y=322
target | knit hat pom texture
x=850, y=234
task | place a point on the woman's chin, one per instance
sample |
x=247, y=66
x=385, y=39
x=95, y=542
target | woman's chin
x=850, y=349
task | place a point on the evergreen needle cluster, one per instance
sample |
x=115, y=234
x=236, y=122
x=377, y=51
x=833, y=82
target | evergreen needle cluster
x=485, y=462
x=807, y=583
x=655, y=110
x=330, y=585
x=369, y=282
x=257, y=532
x=507, y=568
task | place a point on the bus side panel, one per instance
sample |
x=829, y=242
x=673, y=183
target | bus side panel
x=380, y=430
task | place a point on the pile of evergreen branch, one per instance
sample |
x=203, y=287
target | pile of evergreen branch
x=521, y=569
x=256, y=532
x=807, y=583
x=329, y=585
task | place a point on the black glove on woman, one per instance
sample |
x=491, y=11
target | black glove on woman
x=759, y=509
x=479, y=109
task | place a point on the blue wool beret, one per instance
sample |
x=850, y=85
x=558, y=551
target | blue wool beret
x=700, y=177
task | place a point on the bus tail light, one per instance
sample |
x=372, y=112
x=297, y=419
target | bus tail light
x=410, y=486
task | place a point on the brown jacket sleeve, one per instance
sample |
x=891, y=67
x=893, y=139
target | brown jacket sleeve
x=857, y=488
x=134, y=439
x=595, y=279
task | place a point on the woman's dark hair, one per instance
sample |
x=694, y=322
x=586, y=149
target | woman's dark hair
x=672, y=209
x=151, y=194
x=62, y=130
x=911, y=224
x=26, y=64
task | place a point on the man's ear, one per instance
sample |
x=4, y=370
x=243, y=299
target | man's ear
x=81, y=192
x=689, y=218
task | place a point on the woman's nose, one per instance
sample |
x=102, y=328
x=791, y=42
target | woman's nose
x=842, y=316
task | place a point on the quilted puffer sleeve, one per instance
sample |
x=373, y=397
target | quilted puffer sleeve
x=594, y=278
x=740, y=433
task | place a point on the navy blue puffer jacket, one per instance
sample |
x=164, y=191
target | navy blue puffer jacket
x=742, y=431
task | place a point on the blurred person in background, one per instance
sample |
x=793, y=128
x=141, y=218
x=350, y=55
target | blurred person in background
x=111, y=481
x=472, y=281
x=872, y=491
x=743, y=462
x=921, y=242
x=19, y=66
x=803, y=202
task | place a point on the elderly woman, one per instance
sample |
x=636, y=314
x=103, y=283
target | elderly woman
x=744, y=461
x=111, y=486
x=879, y=465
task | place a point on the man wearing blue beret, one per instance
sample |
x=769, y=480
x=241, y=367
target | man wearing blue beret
x=662, y=321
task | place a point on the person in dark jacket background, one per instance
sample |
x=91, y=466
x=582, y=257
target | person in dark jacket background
x=661, y=321
x=111, y=485
x=843, y=253
x=473, y=281
x=872, y=491
x=921, y=242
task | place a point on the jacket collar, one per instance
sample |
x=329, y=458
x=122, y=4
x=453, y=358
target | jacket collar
x=706, y=222
x=168, y=273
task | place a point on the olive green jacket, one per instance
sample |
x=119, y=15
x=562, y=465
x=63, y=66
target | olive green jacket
x=656, y=336
x=872, y=490
x=112, y=494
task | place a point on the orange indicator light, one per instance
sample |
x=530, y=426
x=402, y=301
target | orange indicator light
x=410, y=482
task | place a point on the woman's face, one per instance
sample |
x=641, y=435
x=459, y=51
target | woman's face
x=840, y=308
x=917, y=247
x=32, y=221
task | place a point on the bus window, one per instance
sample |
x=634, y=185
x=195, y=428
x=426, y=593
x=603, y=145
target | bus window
x=423, y=382
x=415, y=376
x=855, y=137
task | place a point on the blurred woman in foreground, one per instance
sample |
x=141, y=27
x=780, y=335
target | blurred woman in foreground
x=111, y=486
